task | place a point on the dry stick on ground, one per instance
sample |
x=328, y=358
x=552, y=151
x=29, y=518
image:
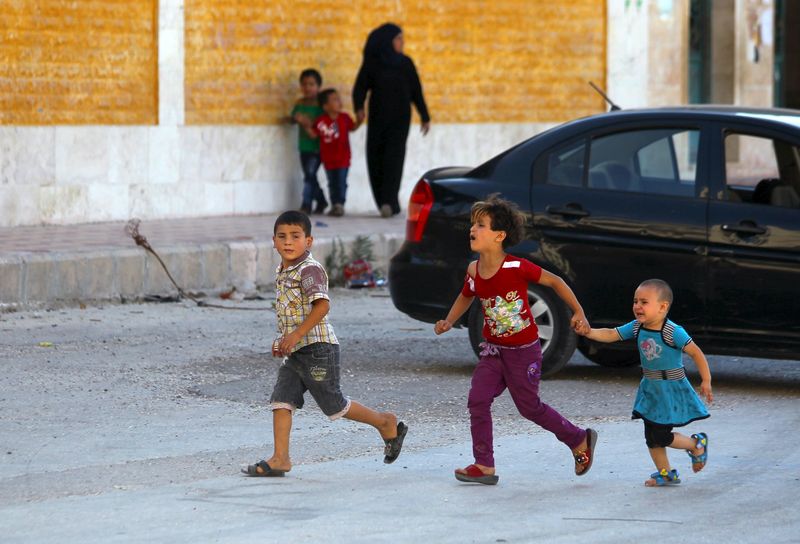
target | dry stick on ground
x=132, y=230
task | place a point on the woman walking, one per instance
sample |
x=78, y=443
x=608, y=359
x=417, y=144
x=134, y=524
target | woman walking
x=391, y=80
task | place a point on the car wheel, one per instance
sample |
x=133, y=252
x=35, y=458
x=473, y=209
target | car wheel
x=552, y=317
x=618, y=356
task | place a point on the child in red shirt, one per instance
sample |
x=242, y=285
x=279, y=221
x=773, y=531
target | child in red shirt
x=512, y=355
x=333, y=129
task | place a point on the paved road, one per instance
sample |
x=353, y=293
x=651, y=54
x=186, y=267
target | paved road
x=132, y=425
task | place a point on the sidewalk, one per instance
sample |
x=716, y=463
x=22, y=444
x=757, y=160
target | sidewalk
x=99, y=261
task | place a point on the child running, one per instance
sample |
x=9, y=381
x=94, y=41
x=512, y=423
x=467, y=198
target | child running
x=512, y=355
x=310, y=350
x=665, y=398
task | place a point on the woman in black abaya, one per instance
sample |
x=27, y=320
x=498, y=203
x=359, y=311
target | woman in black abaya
x=391, y=80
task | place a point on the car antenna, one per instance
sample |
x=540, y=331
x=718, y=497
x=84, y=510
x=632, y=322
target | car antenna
x=613, y=106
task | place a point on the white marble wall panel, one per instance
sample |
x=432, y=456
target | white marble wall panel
x=128, y=150
x=19, y=205
x=153, y=201
x=59, y=204
x=27, y=156
x=108, y=202
x=218, y=199
x=113, y=173
x=170, y=63
x=82, y=154
x=164, y=154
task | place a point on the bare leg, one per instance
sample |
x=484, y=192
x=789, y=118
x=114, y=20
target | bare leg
x=384, y=422
x=660, y=460
x=281, y=429
x=683, y=442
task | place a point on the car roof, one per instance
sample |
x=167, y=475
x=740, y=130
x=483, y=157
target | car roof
x=708, y=111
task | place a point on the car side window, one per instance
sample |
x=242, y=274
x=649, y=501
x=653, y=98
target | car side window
x=761, y=170
x=562, y=166
x=657, y=161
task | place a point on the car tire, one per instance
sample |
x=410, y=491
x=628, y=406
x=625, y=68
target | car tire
x=604, y=355
x=553, y=319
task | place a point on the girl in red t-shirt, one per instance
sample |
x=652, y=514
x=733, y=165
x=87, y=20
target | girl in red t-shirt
x=511, y=356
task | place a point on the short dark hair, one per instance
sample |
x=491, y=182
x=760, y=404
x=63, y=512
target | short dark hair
x=663, y=288
x=310, y=72
x=504, y=215
x=324, y=95
x=293, y=217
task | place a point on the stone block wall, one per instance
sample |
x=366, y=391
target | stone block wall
x=173, y=108
x=67, y=62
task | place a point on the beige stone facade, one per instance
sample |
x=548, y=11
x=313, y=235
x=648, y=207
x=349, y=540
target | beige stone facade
x=117, y=108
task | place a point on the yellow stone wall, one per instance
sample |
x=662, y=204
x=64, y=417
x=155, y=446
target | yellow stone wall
x=78, y=62
x=480, y=61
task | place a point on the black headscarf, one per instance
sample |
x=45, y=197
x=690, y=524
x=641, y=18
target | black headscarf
x=379, y=45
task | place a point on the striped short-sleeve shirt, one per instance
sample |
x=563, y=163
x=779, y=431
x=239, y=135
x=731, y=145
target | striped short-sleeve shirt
x=297, y=287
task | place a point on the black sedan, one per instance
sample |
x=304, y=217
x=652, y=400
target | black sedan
x=706, y=198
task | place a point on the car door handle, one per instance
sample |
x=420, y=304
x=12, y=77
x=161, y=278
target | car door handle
x=745, y=227
x=567, y=210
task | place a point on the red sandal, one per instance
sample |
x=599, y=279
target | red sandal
x=585, y=457
x=476, y=476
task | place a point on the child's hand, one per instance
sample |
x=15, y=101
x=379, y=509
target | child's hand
x=287, y=343
x=580, y=324
x=441, y=326
x=302, y=120
x=705, y=390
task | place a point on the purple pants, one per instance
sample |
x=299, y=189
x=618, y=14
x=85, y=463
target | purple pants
x=519, y=370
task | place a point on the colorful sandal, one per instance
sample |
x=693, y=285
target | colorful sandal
x=702, y=459
x=663, y=478
x=585, y=458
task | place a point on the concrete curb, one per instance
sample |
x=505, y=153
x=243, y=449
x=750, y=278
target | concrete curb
x=36, y=279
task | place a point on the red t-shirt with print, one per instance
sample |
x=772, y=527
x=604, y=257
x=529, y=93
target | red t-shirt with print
x=334, y=140
x=507, y=318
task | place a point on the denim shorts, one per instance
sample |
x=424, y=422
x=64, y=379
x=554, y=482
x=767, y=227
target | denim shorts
x=313, y=368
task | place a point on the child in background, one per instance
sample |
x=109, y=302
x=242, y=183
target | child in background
x=665, y=399
x=333, y=129
x=512, y=355
x=310, y=350
x=305, y=111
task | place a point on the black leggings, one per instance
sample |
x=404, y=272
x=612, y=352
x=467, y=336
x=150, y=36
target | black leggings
x=657, y=436
x=386, y=152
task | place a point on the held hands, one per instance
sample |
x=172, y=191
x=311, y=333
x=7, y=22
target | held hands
x=302, y=120
x=442, y=326
x=580, y=324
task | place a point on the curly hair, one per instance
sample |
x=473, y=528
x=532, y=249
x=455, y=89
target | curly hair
x=504, y=216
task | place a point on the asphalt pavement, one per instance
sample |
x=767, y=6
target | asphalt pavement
x=129, y=423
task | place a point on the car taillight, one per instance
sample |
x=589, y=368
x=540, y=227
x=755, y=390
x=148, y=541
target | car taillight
x=419, y=206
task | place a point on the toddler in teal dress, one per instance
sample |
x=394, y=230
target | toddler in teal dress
x=665, y=398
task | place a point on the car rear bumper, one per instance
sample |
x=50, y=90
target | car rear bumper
x=424, y=289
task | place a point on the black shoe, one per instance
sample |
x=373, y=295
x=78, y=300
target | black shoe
x=305, y=209
x=394, y=445
x=320, y=208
